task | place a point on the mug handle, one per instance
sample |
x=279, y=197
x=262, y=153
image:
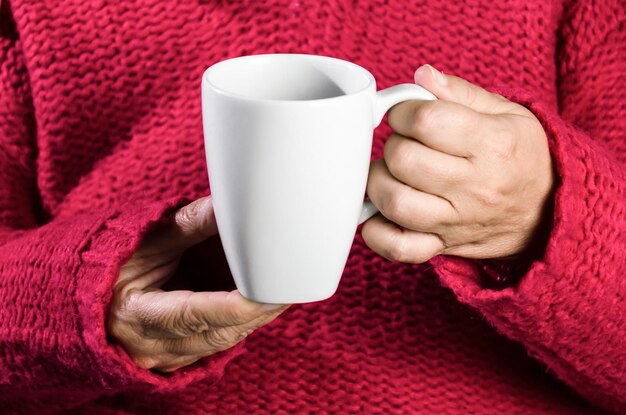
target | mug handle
x=384, y=100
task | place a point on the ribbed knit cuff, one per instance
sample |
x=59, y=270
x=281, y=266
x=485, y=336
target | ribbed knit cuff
x=109, y=245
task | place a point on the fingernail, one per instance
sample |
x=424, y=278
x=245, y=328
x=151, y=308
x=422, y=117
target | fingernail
x=268, y=308
x=436, y=75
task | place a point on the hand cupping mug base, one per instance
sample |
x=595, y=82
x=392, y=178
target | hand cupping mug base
x=288, y=141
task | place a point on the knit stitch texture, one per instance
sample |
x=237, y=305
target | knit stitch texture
x=101, y=138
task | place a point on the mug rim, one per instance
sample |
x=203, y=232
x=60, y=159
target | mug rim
x=216, y=66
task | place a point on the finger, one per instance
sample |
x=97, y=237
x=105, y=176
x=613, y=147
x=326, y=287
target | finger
x=423, y=168
x=444, y=126
x=409, y=208
x=183, y=313
x=218, y=339
x=454, y=89
x=191, y=224
x=398, y=244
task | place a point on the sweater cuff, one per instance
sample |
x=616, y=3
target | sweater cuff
x=109, y=245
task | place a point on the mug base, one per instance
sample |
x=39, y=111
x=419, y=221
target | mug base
x=288, y=298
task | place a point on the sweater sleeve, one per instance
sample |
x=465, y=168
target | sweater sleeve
x=56, y=274
x=569, y=307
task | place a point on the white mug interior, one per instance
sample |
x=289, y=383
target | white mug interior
x=288, y=77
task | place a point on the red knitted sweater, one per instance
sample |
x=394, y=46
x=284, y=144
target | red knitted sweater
x=100, y=138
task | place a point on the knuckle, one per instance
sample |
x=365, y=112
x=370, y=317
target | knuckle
x=489, y=196
x=394, y=206
x=188, y=214
x=221, y=339
x=150, y=323
x=123, y=316
x=398, y=250
x=190, y=322
x=398, y=157
x=468, y=94
x=506, y=147
x=503, y=144
x=426, y=117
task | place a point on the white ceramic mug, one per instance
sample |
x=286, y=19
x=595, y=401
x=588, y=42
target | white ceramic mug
x=288, y=142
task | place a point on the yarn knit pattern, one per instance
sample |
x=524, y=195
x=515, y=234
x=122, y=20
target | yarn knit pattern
x=101, y=138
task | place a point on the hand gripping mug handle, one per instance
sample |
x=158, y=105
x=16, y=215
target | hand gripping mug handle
x=384, y=100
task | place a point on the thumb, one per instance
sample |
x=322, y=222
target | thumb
x=191, y=224
x=458, y=90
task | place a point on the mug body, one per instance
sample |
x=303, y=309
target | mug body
x=288, y=141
